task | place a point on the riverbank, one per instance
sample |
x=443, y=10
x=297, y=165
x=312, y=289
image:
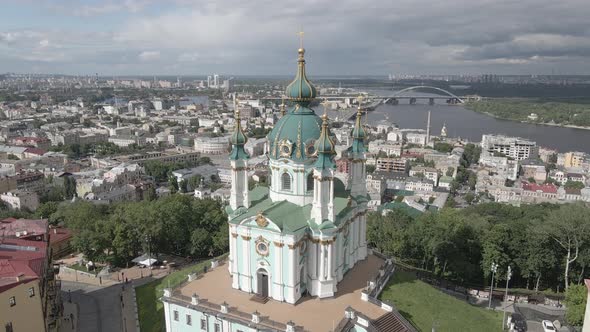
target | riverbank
x=531, y=122
x=536, y=112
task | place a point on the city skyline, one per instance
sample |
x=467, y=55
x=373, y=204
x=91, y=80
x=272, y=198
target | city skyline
x=143, y=37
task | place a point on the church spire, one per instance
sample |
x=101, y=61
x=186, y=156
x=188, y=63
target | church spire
x=325, y=147
x=358, y=132
x=238, y=139
x=301, y=91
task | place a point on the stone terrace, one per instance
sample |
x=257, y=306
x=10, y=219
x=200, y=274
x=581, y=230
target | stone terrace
x=310, y=313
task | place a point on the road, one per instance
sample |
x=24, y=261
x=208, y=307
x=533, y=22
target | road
x=99, y=307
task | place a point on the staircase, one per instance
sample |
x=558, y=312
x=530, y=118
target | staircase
x=390, y=323
x=259, y=298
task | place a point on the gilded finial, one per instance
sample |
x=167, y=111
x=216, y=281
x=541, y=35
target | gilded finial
x=283, y=106
x=360, y=100
x=325, y=105
x=301, y=33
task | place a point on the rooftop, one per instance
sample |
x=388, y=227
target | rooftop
x=310, y=313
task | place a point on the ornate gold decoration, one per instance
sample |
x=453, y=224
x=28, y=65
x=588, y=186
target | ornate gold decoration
x=246, y=237
x=262, y=246
x=261, y=220
x=234, y=235
x=292, y=246
x=279, y=244
x=298, y=152
x=286, y=148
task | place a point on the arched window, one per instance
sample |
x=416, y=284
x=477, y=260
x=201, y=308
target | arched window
x=310, y=182
x=286, y=181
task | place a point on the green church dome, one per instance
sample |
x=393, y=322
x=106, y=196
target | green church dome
x=301, y=90
x=295, y=134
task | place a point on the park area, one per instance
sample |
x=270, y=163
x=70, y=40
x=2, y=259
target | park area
x=427, y=307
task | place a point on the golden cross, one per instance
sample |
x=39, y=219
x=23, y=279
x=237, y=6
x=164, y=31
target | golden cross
x=301, y=33
x=360, y=99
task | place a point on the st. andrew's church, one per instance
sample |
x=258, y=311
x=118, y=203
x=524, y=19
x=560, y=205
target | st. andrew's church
x=307, y=229
x=298, y=257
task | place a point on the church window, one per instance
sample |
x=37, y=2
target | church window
x=203, y=324
x=217, y=327
x=189, y=320
x=262, y=248
x=176, y=315
x=310, y=182
x=286, y=182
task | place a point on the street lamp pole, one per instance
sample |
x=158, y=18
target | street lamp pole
x=494, y=268
x=508, y=276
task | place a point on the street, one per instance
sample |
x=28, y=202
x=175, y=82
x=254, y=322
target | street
x=99, y=307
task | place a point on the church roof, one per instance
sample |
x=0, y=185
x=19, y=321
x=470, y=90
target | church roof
x=290, y=217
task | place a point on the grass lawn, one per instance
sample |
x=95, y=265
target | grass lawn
x=149, y=306
x=82, y=268
x=425, y=306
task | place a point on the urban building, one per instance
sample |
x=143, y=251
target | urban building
x=513, y=147
x=20, y=200
x=211, y=145
x=392, y=165
x=30, y=298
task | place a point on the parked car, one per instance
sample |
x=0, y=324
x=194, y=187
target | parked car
x=548, y=326
x=519, y=323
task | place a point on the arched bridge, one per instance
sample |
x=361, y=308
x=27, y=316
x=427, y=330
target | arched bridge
x=451, y=97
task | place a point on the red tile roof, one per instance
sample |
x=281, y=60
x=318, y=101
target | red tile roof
x=546, y=188
x=36, y=151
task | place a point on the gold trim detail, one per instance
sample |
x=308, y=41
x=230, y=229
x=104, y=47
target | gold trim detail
x=261, y=220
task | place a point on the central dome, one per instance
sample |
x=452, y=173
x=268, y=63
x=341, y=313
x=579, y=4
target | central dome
x=294, y=135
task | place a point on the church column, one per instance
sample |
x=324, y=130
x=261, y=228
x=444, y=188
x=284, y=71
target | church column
x=290, y=296
x=278, y=279
x=363, y=236
x=235, y=271
x=330, y=260
x=247, y=285
x=322, y=272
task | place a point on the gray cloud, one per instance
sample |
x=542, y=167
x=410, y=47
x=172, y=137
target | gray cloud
x=348, y=37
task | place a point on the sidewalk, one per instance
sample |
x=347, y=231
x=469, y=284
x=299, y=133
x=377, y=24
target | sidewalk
x=69, y=321
x=128, y=312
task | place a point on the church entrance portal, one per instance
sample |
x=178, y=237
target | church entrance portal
x=262, y=277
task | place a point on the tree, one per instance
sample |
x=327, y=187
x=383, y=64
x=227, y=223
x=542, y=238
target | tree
x=469, y=198
x=183, y=185
x=574, y=185
x=150, y=194
x=370, y=169
x=69, y=187
x=569, y=227
x=450, y=171
x=443, y=147
x=12, y=157
x=195, y=181
x=575, y=300
x=173, y=184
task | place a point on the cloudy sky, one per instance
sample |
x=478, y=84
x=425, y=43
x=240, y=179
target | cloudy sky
x=249, y=37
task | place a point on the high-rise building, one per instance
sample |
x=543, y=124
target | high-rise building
x=215, y=81
x=209, y=81
x=513, y=147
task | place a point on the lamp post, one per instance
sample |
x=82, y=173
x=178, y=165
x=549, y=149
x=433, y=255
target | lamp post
x=493, y=268
x=508, y=276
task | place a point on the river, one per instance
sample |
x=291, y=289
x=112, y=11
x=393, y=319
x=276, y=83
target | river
x=468, y=124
